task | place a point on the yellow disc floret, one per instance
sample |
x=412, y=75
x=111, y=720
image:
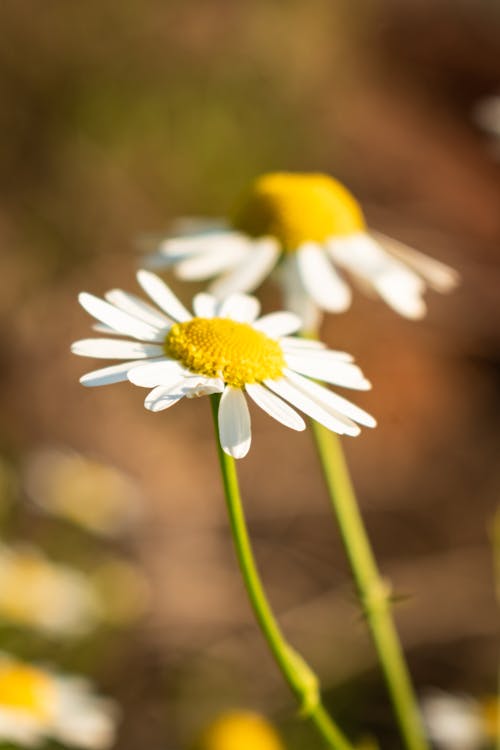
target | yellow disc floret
x=219, y=347
x=240, y=730
x=298, y=208
x=24, y=688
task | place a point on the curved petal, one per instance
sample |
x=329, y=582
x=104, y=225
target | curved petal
x=278, y=324
x=321, y=279
x=116, y=319
x=159, y=292
x=399, y=286
x=115, y=349
x=211, y=261
x=439, y=276
x=162, y=372
x=330, y=369
x=204, y=305
x=296, y=297
x=287, y=390
x=136, y=306
x=275, y=407
x=262, y=255
x=162, y=397
x=234, y=423
x=240, y=307
x=108, y=375
x=330, y=400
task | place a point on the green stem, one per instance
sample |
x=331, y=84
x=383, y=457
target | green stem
x=302, y=681
x=374, y=592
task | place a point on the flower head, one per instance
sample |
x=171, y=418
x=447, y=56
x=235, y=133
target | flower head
x=224, y=348
x=239, y=730
x=314, y=230
x=36, y=704
x=459, y=721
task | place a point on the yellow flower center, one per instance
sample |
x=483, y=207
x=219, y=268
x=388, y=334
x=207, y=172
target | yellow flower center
x=26, y=689
x=298, y=208
x=219, y=347
x=240, y=730
x=490, y=710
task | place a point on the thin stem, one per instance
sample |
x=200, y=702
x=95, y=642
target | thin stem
x=300, y=678
x=373, y=591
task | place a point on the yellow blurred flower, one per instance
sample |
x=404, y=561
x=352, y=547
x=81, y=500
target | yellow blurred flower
x=88, y=493
x=240, y=730
x=37, y=704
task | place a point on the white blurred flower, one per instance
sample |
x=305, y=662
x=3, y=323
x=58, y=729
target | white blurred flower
x=37, y=704
x=40, y=594
x=314, y=228
x=225, y=348
x=459, y=721
x=91, y=494
x=487, y=114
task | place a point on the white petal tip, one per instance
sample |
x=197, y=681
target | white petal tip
x=237, y=451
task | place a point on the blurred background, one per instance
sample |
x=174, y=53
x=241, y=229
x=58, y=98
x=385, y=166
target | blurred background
x=116, y=118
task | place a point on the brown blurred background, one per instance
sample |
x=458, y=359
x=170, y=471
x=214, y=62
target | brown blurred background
x=117, y=117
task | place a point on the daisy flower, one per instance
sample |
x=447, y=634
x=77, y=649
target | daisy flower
x=313, y=229
x=93, y=495
x=49, y=597
x=459, y=721
x=224, y=348
x=37, y=704
x=244, y=730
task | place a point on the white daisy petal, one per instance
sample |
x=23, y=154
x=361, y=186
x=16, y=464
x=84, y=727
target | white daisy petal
x=330, y=400
x=159, y=292
x=275, y=407
x=302, y=347
x=234, y=423
x=115, y=349
x=161, y=372
x=278, y=324
x=205, y=305
x=331, y=370
x=399, y=286
x=101, y=328
x=296, y=296
x=163, y=397
x=321, y=280
x=202, y=243
x=239, y=307
x=297, y=342
x=136, y=306
x=108, y=375
x=118, y=320
x=262, y=255
x=289, y=391
x=211, y=261
x=197, y=386
x=439, y=276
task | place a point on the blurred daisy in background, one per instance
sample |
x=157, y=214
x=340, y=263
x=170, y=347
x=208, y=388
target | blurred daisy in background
x=239, y=730
x=37, y=704
x=225, y=348
x=40, y=594
x=91, y=494
x=461, y=722
x=60, y=601
x=314, y=231
x=486, y=113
